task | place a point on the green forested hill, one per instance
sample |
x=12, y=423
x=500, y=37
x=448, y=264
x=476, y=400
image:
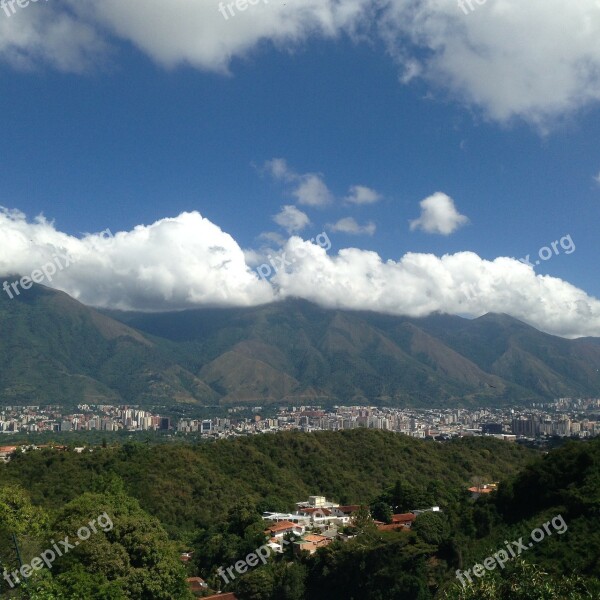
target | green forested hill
x=565, y=482
x=188, y=486
x=209, y=497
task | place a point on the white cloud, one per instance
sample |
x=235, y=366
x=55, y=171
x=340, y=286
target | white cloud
x=279, y=169
x=309, y=189
x=291, y=219
x=174, y=263
x=349, y=225
x=46, y=34
x=439, y=215
x=597, y=178
x=187, y=262
x=420, y=284
x=312, y=191
x=70, y=35
x=196, y=33
x=359, y=194
x=502, y=57
x=272, y=237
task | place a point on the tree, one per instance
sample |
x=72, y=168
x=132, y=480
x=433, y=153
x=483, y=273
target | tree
x=363, y=522
x=382, y=512
x=290, y=581
x=257, y=584
x=22, y=522
x=129, y=553
x=406, y=496
x=18, y=515
x=432, y=527
x=242, y=515
x=76, y=583
x=524, y=581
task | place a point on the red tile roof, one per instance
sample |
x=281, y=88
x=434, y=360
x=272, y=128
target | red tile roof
x=325, y=512
x=282, y=526
x=393, y=527
x=403, y=518
x=481, y=490
x=197, y=584
x=315, y=538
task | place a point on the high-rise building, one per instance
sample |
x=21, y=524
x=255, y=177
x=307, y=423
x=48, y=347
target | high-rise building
x=491, y=428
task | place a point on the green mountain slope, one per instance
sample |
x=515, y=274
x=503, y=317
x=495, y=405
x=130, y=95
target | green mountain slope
x=55, y=350
x=360, y=356
x=545, y=364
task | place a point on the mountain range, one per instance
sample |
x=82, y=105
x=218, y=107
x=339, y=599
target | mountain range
x=55, y=350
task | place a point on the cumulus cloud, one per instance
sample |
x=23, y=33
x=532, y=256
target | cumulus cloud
x=349, y=225
x=503, y=57
x=309, y=189
x=359, y=194
x=69, y=34
x=279, y=169
x=492, y=58
x=174, y=263
x=196, y=33
x=187, y=262
x=272, y=237
x=291, y=219
x=312, y=191
x=439, y=215
x=420, y=284
x=49, y=35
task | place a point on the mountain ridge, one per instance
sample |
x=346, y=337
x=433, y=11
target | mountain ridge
x=55, y=350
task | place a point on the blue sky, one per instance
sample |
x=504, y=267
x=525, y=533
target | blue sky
x=132, y=137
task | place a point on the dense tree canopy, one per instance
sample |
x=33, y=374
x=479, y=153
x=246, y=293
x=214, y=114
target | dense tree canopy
x=148, y=503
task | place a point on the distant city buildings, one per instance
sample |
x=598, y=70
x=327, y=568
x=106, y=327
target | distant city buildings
x=36, y=419
x=560, y=418
x=563, y=417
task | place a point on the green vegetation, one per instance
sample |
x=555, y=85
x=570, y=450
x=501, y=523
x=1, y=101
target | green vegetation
x=523, y=581
x=54, y=350
x=188, y=487
x=208, y=498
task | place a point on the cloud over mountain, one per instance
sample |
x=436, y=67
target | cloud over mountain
x=171, y=264
x=187, y=261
